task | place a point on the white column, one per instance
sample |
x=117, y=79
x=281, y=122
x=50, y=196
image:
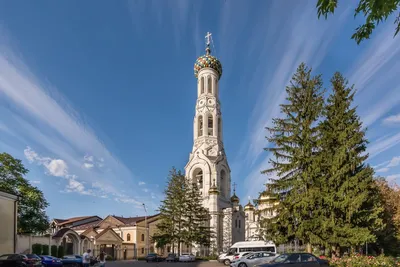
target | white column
x=195, y=130
x=205, y=124
x=215, y=125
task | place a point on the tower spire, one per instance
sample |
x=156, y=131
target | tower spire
x=208, y=42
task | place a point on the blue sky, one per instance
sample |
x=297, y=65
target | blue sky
x=97, y=97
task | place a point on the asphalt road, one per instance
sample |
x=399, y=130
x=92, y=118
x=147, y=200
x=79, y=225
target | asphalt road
x=162, y=264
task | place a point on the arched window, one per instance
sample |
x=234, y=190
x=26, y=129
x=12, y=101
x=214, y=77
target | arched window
x=142, y=250
x=200, y=126
x=222, y=183
x=128, y=237
x=210, y=125
x=198, y=178
x=202, y=85
x=142, y=237
x=209, y=85
x=219, y=128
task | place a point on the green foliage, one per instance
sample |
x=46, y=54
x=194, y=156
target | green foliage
x=37, y=249
x=172, y=210
x=388, y=238
x=375, y=11
x=295, y=137
x=109, y=258
x=352, y=210
x=54, y=251
x=32, y=204
x=60, y=252
x=45, y=250
x=182, y=219
x=364, y=261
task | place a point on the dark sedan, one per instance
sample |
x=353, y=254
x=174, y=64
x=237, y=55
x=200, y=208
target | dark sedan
x=24, y=260
x=153, y=257
x=296, y=260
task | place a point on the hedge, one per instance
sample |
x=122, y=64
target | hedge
x=37, y=249
x=60, y=252
x=45, y=249
x=54, y=251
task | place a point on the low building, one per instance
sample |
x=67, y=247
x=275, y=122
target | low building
x=8, y=215
x=119, y=237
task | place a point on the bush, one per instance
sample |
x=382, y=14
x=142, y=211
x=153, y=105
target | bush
x=364, y=261
x=45, y=250
x=37, y=249
x=54, y=251
x=141, y=259
x=60, y=252
x=109, y=258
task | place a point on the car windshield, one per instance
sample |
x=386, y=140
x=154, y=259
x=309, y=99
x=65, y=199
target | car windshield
x=280, y=258
x=32, y=256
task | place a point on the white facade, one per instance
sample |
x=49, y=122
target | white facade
x=266, y=209
x=208, y=165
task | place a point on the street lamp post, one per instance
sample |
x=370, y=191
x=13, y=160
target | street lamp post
x=147, y=232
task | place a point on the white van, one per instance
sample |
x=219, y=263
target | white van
x=246, y=246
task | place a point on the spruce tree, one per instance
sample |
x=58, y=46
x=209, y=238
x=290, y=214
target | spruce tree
x=295, y=138
x=350, y=196
x=173, y=210
x=196, y=219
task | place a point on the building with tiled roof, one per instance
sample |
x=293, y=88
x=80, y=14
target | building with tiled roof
x=121, y=237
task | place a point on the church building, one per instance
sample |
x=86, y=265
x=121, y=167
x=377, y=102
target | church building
x=208, y=165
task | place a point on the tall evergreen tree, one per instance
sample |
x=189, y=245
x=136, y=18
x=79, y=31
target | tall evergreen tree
x=172, y=210
x=196, y=218
x=295, y=138
x=350, y=196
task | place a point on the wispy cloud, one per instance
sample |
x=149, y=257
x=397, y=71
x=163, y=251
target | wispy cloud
x=383, y=170
x=393, y=178
x=378, y=147
x=394, y=119
x=63, y=132
x=388, y=165
x=142, y=183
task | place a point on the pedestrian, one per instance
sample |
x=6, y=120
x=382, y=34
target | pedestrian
x=86, y=258
x=102, y=259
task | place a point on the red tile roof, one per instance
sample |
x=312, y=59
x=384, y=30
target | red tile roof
x=86, y=225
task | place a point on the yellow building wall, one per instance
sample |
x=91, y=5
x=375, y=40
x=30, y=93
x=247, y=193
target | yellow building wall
x=7, y=233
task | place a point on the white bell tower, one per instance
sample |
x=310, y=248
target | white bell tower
x=208, y=165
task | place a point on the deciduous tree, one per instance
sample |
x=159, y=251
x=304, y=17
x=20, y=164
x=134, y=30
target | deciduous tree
x=375, y=11
x=32, y=217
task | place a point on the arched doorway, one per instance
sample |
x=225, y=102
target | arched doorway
x=70, y=240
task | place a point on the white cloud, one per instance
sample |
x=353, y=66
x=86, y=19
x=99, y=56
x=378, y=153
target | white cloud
x=38, y=105
x=393, y=178
x=395, y=161
x=88, y=158
x=54, y=167
x=35, y=182
x=142, y=183
x=392, y=119
x=88, y=165
x=383, y=170
x=378, y=147
x=145, y=190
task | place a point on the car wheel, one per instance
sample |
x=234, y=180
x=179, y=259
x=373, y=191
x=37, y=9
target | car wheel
x=242, y=264
x=227, y=262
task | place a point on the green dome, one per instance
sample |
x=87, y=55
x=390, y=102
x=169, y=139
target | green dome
x=207, y=61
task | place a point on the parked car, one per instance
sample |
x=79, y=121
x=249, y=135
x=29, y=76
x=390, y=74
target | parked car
x=254, y=258
x=153, y=257
x=50, y=261
x=296, y=260
x=239, y=255
x=76, y=260
x=187, y=257
x=172, y=257
x=20, y=260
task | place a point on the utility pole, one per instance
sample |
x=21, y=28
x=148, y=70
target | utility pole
x=146, y=229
